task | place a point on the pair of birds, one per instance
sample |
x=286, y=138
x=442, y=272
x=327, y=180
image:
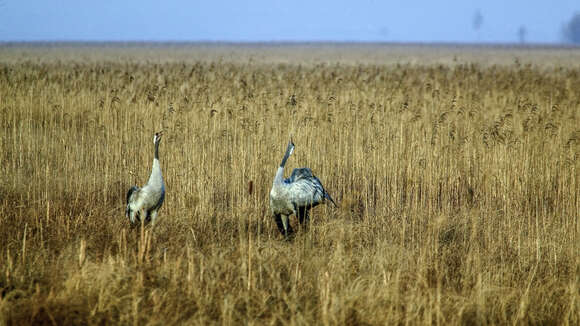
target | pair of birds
x=293, y=196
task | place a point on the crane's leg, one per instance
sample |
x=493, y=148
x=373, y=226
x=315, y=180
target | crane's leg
x=283, y=223
x=153, y=216
x=143, y=216
x=278, y=220
x=287, y=227
x=303, y=216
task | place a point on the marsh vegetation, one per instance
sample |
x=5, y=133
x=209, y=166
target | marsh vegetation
x=458, y=187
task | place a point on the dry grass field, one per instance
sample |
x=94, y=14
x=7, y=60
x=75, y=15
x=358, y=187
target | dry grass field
x=458, y=185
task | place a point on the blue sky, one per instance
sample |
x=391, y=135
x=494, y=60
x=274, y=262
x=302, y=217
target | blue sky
x=274, y=20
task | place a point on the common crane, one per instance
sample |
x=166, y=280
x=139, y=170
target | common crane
x=146, y=201
x=295, y=195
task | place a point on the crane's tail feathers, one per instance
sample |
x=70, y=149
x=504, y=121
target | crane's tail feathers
x=130, y=192
x=327, y=196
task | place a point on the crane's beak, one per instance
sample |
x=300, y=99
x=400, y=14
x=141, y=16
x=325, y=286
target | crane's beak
x=157, y=137
x=290, y=148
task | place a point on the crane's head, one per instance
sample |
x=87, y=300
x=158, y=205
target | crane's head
x=290, y=147
x=157, y=137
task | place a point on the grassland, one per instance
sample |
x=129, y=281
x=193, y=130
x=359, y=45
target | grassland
x=458, y=182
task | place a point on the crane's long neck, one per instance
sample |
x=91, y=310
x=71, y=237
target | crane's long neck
x=156, y=176
x=285, y=158
x=279, y=178
x=157, y=151
x=280, y=173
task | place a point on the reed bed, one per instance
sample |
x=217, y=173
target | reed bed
x=458, y=188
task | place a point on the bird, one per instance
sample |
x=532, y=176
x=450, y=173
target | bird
x=145, y=202
x=295, y=195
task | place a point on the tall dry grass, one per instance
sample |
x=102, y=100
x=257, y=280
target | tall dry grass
x=458, y=190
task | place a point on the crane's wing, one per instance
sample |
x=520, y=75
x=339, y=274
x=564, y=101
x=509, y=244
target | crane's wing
x=160, y=195
x=327, y=196
x=306, y=191
x=301, y=173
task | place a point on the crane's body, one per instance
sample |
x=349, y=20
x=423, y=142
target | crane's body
x=295, y=195
x=145, y=202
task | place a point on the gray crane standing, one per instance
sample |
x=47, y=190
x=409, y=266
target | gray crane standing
x=145, y=202
x=295, y=195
